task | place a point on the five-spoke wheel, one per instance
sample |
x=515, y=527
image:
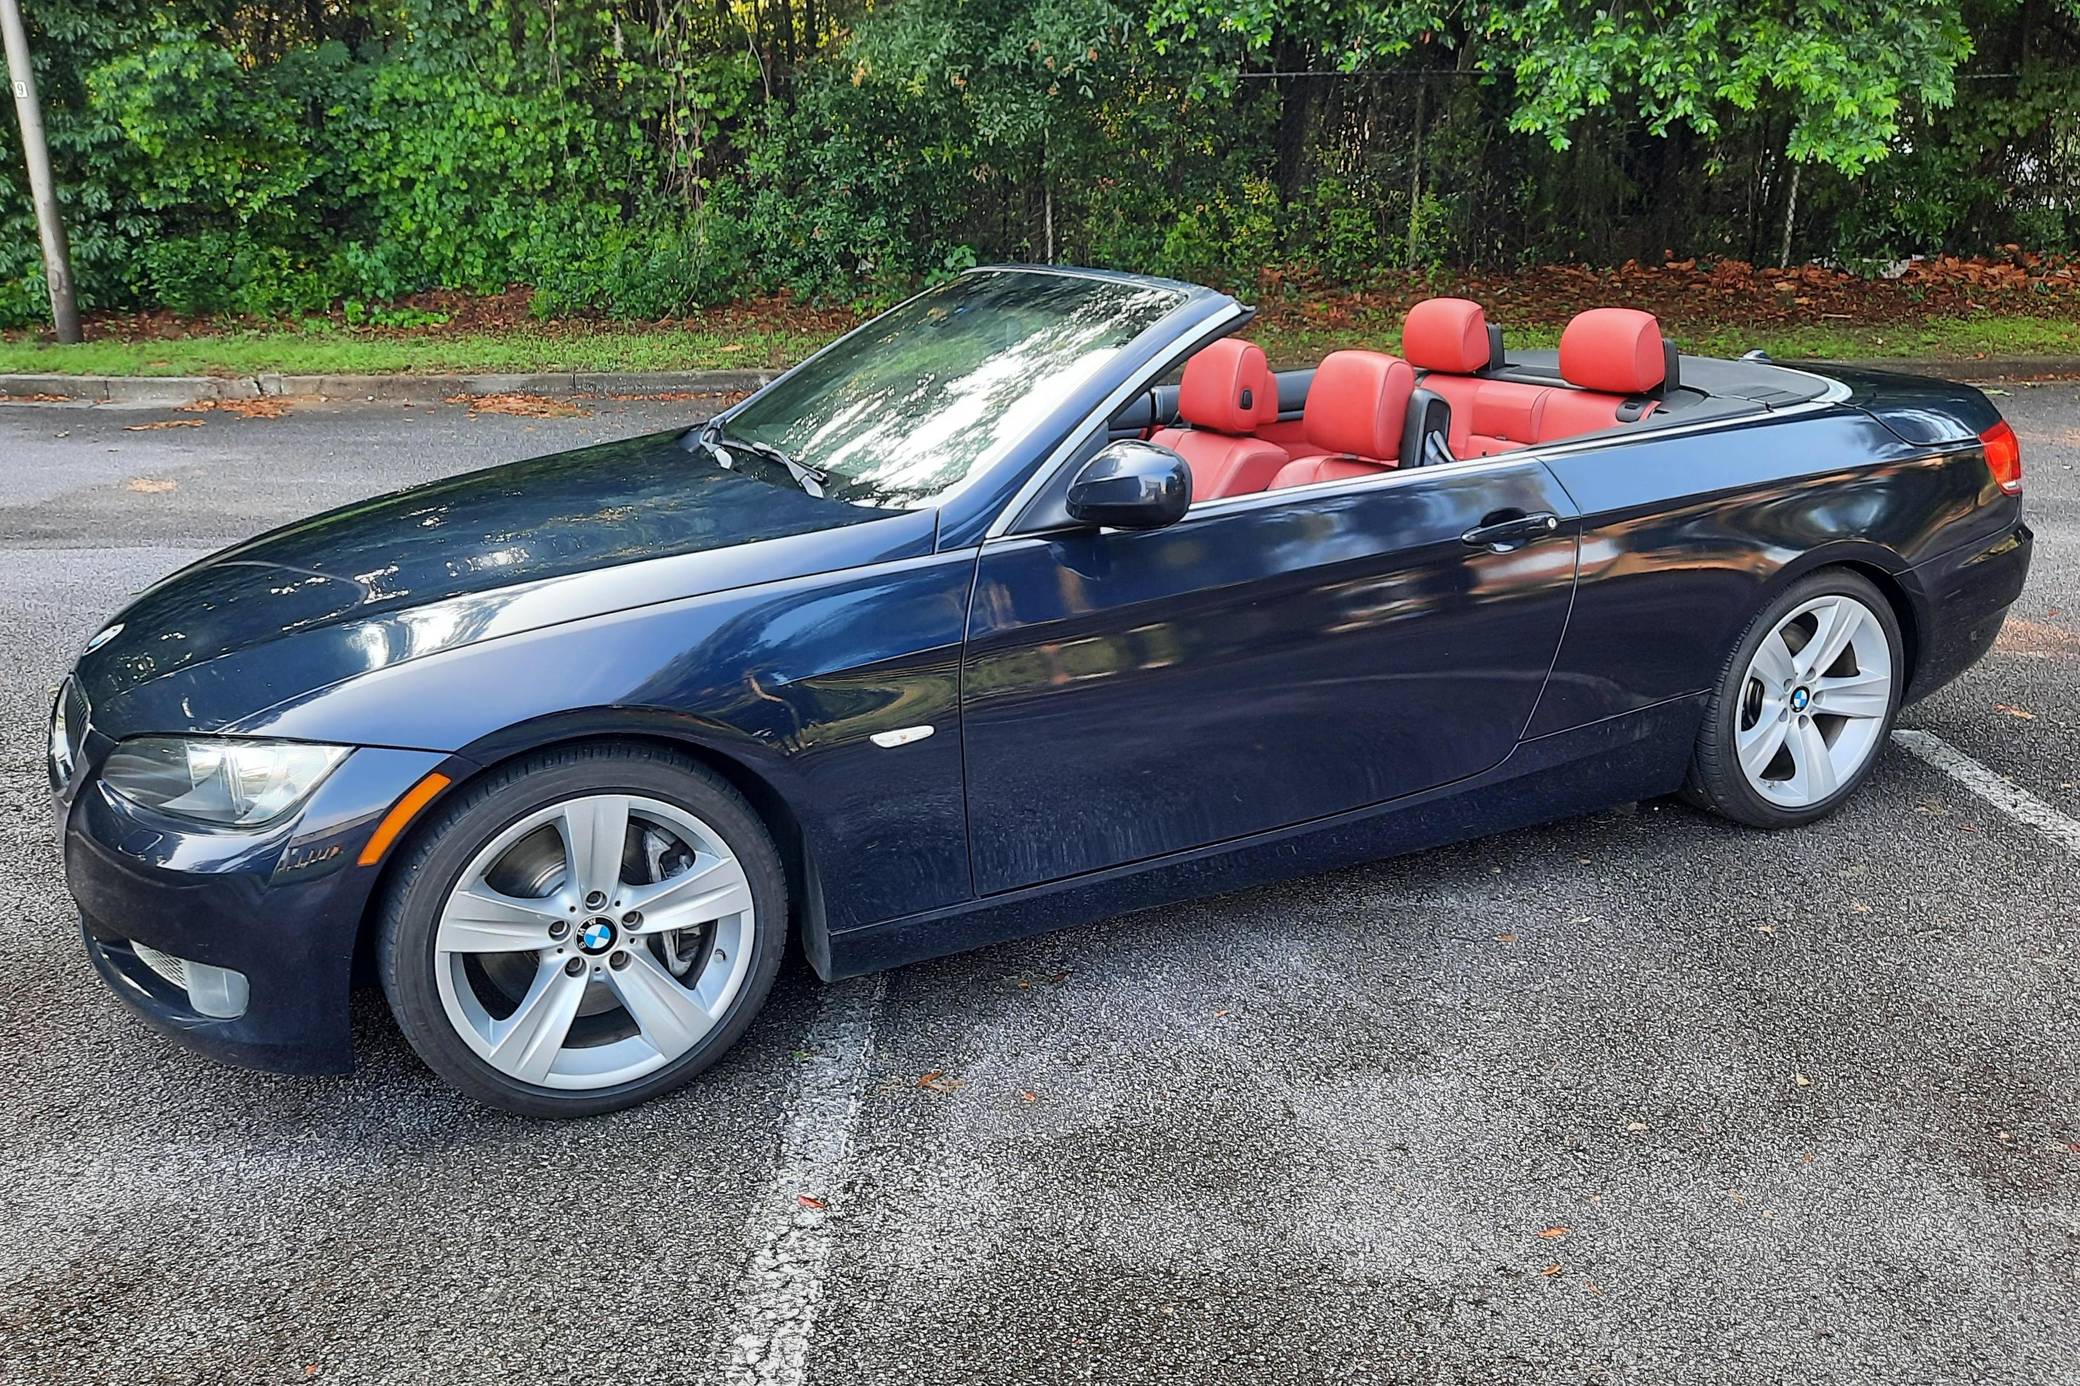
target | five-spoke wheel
x=1804, y=704
x=584, y=930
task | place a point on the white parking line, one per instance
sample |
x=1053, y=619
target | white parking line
x=1994, y=787
x=773, y=1313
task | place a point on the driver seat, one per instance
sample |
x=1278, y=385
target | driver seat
x=1227, y=391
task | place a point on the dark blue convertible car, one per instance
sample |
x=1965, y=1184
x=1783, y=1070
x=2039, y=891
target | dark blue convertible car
x=1037, y=599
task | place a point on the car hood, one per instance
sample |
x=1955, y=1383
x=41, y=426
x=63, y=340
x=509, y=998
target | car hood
x=476, y=556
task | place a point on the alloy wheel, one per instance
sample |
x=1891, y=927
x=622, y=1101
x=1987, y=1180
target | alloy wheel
x=1814, y=701
x=593, y=941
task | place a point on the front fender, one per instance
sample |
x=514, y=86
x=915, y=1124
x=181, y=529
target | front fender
x=791, y=679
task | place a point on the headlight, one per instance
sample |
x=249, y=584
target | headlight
x=219, y=779
x=68, y=721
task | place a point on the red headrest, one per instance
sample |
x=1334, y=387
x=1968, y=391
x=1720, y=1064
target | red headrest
x=1446, y=334
x=1228, y=387
x=1357, y=403
x=1617, y=350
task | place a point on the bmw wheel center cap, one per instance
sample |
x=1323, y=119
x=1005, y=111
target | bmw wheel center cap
x=597, y=936
x=1799, y=699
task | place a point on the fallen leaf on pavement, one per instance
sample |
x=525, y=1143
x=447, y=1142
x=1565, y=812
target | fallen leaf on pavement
x=1801, y=1080
x=150, y=485
x=1505, y=938
x=1635, y=1126
x=526, y=406
x=810, y=1201
x=2024, y=713
x=162, y=423
x=1554, y=1233
x=1553, y=1269
x=938, y=1080
x=1029, y=1097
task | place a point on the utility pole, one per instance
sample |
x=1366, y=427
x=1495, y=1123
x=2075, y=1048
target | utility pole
x=57, y=258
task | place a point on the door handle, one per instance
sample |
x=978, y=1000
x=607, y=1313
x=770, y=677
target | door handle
x=1507, y=530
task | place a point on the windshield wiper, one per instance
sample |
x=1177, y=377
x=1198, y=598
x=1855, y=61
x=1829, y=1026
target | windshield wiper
x=715, y=437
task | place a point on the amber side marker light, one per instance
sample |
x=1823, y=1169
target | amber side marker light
x=2004, y=457
x=400, y=815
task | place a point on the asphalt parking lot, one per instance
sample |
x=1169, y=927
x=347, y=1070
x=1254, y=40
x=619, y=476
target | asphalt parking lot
x=1640, y=1096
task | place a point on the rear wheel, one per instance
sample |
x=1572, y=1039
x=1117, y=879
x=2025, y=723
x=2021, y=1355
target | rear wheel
x=1803, y=705
x=584, y=930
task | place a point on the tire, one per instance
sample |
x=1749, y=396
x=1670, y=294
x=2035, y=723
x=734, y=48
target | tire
x=1850, y=705
x=531, y=993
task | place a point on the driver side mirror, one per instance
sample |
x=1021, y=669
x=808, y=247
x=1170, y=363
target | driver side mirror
x=1131, y=485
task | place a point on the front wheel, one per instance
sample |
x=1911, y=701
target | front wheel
x=1803, y=705
x=583, y=930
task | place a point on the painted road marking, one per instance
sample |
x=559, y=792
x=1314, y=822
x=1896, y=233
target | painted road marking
x=773, y=1312
x=1995, y=788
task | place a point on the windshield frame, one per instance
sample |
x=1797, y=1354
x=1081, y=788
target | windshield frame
x=967, y=507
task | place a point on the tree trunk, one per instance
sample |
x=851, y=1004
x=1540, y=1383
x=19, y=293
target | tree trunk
x=1415, y=167
x=1295, y=97
x=57, y=256
x=1790, y=212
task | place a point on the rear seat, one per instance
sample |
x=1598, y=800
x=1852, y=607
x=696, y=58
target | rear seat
x=1621, y=365
x=1615, y=360
x=1449, y=340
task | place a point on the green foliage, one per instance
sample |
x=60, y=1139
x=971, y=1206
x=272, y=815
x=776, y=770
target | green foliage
x=647, y=160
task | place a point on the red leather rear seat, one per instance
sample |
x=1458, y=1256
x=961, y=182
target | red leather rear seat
x=1227, y=391
x=1612, y=354
x=1352, y=422
x=1448, y=339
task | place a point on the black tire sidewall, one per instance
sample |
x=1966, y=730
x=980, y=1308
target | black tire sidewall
x=1717, y=781
x=441, y=850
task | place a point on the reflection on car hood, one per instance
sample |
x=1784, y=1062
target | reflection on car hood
x=488, y=553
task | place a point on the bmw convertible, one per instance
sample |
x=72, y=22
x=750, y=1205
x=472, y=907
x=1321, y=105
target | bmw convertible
x=1037, y=599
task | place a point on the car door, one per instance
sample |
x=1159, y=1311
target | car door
x=1264, y=661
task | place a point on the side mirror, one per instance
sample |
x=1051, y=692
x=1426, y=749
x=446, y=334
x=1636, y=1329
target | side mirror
x=1131, y=485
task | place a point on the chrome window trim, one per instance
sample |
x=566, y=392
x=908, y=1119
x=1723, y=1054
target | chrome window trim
x=1222, y=505
x=1835, y=392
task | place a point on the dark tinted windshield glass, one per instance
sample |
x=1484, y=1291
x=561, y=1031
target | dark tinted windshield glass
x=920, y=398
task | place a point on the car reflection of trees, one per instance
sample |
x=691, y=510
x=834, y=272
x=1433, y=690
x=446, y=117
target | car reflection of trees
x=923, y=397
x=802, y=671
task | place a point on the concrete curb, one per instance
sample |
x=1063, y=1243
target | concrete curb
x=170, y=390
x=166, y=391
x=1971, y=371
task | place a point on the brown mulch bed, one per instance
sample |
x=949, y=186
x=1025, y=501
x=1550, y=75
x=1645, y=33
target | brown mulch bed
x=1694, y=291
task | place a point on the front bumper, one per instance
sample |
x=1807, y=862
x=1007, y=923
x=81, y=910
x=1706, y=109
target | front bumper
x=282, y=908
x=1961, y=601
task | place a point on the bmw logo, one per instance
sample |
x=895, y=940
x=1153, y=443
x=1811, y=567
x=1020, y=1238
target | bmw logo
x=1799, y=699
x=596, y=937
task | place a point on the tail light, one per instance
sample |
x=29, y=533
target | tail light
x=2004, y=457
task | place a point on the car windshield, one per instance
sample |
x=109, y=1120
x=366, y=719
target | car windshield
x=905, y=409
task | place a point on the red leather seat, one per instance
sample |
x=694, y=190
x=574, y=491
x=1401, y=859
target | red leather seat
x=1355, y=410
x=1616, y=357
x=1228, y=389
x=1448, y=339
